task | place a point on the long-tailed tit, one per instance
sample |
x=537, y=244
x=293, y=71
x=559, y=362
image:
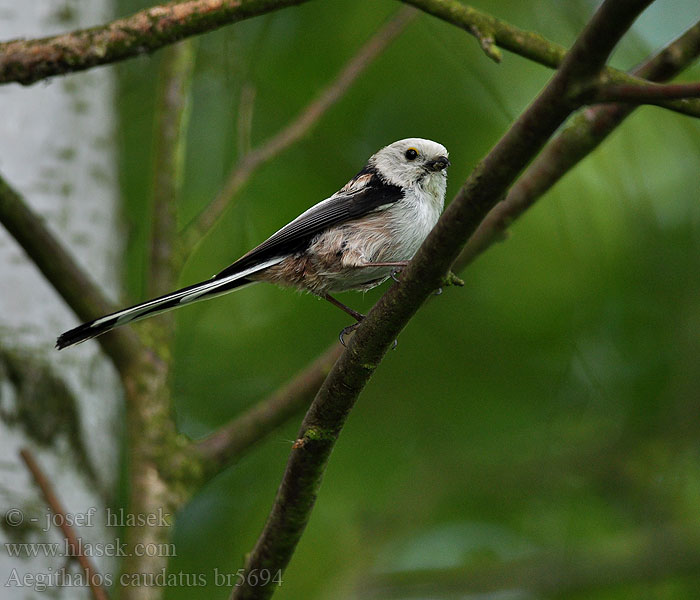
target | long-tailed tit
x=353, y=240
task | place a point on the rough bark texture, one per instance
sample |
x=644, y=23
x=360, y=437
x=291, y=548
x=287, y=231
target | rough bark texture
x=28, y=61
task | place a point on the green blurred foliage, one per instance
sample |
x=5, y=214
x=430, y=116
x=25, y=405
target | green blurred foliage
x=551, y=403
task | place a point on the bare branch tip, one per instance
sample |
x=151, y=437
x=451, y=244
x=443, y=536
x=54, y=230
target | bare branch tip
x=487, y=43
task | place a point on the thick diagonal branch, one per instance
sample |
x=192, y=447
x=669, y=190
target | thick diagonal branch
x=487, y=184
x=585, y=131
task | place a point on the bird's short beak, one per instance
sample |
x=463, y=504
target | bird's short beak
x=440, y=163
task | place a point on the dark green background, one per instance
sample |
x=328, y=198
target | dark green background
x=551, y=403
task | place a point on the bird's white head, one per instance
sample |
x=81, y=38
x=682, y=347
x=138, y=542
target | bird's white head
x=413, y=161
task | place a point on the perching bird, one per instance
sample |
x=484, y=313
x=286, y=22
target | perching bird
x=354, y=240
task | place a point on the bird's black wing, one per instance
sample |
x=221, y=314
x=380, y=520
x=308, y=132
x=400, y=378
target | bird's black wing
x=365, y=193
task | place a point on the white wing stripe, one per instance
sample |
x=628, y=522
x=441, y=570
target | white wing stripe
x=128, y=314
x=192, y=295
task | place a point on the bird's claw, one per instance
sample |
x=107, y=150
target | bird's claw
x=394, y=274
x=437, y=292
x=347, y=330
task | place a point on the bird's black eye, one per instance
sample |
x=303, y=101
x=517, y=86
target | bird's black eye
x=411, y=154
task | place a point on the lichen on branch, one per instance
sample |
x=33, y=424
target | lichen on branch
x=28, y=61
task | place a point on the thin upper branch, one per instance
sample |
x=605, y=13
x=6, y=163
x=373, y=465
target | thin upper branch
x=526, y=43
x=641, y=94
x=28, y=61
x=585, y=131
x=64, y=274
x=672, y=59
x=93, y=577
x=374, y=336
x=299, y=127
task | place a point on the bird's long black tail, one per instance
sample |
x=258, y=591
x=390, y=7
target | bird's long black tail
x=193, y=293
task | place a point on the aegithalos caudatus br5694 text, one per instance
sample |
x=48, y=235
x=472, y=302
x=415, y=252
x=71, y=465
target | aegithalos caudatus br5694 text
x=353, y=240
